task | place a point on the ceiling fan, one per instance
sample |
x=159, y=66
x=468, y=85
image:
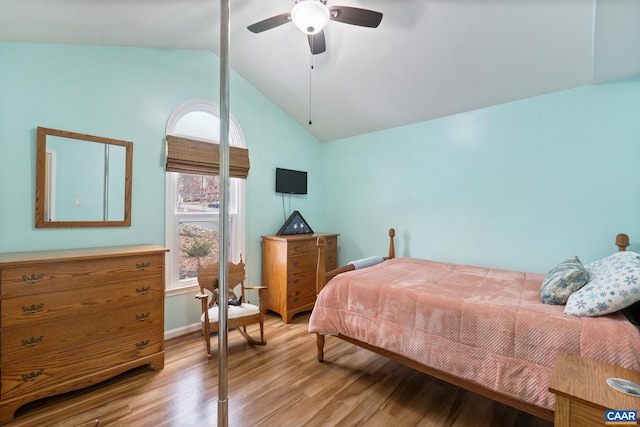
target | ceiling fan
x=311, y=16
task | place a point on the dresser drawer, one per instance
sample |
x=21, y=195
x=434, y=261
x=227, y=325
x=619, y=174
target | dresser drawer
x=56, y=276
x=300, y=279
x=301, y=263
x=56, y=368
x=301, y=290
x=45, y=306
x=309, y=262
x=38, y=338
x=585, y=416
x=301, y=247
x=309, y=246
x=301, y=296
x=331, y=260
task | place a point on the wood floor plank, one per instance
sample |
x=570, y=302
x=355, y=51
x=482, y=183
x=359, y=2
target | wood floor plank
x=280, y=384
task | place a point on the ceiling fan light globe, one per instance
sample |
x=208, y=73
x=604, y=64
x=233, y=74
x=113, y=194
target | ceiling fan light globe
x=310, y=16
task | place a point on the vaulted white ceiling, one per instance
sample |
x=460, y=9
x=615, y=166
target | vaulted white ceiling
x=427, y=59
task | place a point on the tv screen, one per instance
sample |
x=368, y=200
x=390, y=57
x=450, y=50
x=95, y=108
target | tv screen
x=291, y=181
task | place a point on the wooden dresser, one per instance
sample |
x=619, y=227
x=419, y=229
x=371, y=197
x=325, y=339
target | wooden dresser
x=582, y=392
x=289, y=268
x=72, y=318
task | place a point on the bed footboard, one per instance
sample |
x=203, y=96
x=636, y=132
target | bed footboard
x=323, y=276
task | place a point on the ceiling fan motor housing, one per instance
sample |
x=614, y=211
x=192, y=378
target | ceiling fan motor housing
x=310, y=16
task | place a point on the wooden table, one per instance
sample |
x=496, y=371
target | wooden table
x=582, y=392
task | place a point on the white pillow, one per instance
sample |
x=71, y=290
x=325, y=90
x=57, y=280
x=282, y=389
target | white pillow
x=366, y=262
x=614, y=283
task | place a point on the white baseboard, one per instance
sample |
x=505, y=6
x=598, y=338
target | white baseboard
x=184, y=330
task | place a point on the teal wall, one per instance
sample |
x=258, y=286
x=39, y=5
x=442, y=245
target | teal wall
x=521, y=185
x=128, y=94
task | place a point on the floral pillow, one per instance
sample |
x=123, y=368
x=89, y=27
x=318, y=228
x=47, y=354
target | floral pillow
x=563, y=279
x=614, y=284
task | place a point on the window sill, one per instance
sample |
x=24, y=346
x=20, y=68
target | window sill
x=190, y=289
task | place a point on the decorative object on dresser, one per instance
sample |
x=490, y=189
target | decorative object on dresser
x=289, y=268
x=240, y=313
x=72, y=318
x=295, y=224
x=583, y=394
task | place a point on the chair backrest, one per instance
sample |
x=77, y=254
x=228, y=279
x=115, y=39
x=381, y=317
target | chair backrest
x=208, y=278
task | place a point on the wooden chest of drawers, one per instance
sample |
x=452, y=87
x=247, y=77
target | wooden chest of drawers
x=582, y=392
x=288, y=271
x=71, y=318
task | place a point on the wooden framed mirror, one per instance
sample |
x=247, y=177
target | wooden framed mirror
x=82, y=180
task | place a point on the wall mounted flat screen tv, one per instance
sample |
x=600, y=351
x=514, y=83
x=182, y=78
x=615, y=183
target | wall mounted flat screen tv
x=291, y=181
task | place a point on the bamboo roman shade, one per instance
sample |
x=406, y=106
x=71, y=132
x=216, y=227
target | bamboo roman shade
x=192, y=156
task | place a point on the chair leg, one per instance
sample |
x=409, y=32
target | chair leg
x=251, y=340
x=262, y=328
x=206, y=335
x=206, y=327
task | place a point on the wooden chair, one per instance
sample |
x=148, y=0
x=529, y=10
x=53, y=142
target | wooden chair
x=239, y=316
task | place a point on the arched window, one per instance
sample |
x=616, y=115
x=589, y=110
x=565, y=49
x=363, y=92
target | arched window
x=193, y=200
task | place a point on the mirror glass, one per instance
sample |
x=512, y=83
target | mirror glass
x=82, y=180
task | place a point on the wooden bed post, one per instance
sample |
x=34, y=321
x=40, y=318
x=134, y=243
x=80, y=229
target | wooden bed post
x=622, y=241
x=392, y=248
x=320, y=282
x=320, y=345
x=320, y=268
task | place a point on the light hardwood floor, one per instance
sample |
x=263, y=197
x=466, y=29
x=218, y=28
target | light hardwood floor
x=280, y=384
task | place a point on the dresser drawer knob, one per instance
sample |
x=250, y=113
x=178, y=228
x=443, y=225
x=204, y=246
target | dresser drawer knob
x=33, y=309
x=296, y=281
x=143, y=317
x=143, y=290
x=33, y=341
x=32, y=376
x=33, y=278
x=143, y=266
x=142, y=344
x=297, y=248
x=296, y=299
x=296, y=263
x=330, y=257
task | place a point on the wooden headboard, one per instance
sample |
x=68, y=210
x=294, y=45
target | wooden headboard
x=323, y=276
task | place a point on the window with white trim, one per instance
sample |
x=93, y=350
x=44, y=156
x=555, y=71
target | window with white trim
x=193, y=201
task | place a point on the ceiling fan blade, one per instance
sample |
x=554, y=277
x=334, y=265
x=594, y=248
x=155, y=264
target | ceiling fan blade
x=269, y=23
x=356, y=16
x=317, y=43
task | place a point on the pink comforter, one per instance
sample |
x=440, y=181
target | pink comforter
x=484, y=325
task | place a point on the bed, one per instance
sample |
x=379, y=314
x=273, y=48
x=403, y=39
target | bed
x=485, y=330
